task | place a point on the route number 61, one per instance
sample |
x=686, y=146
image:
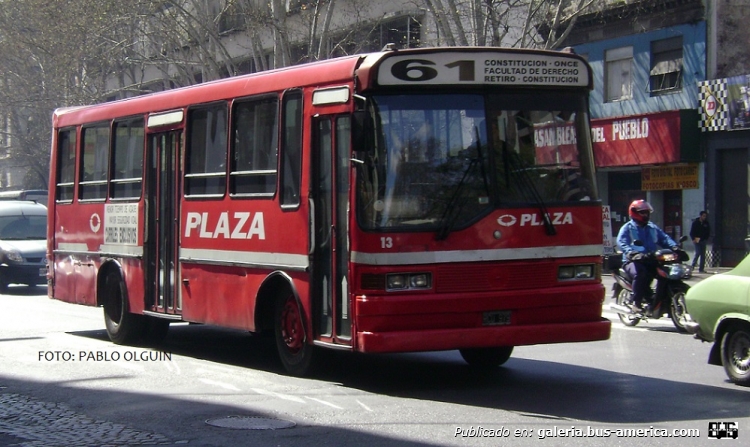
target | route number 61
x=419, y=70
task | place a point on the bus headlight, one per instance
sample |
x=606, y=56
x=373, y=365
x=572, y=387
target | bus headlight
x=419, y=281
x=584, y=271
x=572, y=272
x=408, y=281
x=396, y=281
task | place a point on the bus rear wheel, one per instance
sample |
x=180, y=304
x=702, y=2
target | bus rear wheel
x=486, y=357
x=291, y=341
x=122, y=326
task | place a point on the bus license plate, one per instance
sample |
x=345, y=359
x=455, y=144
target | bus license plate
x=496, y=318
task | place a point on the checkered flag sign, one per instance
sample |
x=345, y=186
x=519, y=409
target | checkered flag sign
x=713, y=103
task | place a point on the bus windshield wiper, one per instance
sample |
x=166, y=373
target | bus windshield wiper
x=527, y=184
x=452, y=212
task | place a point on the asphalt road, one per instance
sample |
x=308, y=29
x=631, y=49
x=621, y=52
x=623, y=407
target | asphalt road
x=62, y=383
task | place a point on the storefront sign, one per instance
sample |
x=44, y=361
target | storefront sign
x=637, y=140
x=669, y=177
x=624, y=141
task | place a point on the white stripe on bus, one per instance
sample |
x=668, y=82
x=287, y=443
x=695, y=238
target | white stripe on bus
x=505, y=254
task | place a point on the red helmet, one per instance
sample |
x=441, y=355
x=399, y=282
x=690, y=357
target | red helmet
x=638, y=207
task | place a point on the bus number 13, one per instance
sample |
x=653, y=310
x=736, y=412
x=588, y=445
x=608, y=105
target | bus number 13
x=386, y=242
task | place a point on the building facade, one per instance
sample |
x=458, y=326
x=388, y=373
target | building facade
x=648, y=58
x=725, y=126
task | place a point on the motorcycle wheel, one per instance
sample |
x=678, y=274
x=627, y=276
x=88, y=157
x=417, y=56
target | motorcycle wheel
x=622, y=297
x=677, y=309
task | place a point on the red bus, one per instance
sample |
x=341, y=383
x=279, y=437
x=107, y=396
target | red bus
x=410, y=200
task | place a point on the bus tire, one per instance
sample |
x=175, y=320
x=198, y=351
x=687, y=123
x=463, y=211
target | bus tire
x=122, y=326
x=486, y=357
x=291, y=341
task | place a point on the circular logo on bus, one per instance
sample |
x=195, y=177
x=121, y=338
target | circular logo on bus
x=95, y=222
x=506, y=220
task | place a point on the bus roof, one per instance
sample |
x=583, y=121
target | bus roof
x=322, y=72
x=393, y=68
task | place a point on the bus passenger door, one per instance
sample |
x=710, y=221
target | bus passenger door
x=162, y=198
x=330, y=256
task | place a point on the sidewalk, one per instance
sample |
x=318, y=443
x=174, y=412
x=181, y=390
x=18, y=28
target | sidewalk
x=607, y=279
x=608, y=265
x=710, y=271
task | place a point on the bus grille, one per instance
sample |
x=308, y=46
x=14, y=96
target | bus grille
x=487, y=277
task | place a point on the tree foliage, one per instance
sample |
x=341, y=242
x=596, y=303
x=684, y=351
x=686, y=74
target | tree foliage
x=86, y=51
x=510, y=23
x=49, y=56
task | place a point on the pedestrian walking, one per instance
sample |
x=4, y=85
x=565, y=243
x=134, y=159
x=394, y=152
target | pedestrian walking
x=700, y=231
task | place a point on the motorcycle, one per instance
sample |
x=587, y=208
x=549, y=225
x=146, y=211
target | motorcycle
x=667, y=298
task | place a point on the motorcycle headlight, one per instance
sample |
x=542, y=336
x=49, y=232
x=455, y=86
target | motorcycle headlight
x=669, y=257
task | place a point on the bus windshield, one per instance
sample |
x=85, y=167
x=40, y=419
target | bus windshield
x=444, y=160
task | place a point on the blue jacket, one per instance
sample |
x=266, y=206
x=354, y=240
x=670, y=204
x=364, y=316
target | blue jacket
x=652, y=237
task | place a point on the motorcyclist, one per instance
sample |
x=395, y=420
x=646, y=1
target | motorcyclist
x=636, y=257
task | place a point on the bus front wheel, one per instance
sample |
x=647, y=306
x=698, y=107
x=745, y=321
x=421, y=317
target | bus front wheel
x=123, y=327
x=486, y=357
x=291, y=341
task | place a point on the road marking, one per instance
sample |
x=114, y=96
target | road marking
x=617, y=324
x=279, y=395
x=325, y=403
x=226, y=386
x=363, y=405
x=664, y=321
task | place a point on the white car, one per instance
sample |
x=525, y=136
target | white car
x=23, y=243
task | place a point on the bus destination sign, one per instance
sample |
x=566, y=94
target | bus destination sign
x=484, y=68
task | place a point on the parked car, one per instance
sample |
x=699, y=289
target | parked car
x=23, y=243
x=720, y=309
x=37, y=195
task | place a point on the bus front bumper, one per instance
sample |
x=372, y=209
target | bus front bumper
x=491, y=336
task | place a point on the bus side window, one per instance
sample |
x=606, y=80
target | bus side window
x=255, y=129
x=291, y=148
x=127, y=160
x=66, y=165
x=94, y=162
x=205, y=173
